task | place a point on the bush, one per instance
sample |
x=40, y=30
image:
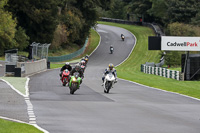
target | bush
x=181, y=29
x=173, y=58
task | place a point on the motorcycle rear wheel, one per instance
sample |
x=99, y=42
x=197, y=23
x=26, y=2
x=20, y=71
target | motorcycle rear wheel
x=65, y=82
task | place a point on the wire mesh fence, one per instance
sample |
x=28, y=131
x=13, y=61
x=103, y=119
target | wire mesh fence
x=40, y=51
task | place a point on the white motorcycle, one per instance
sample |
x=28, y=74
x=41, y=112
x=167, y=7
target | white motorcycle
x=109, y=82
x=111, y=49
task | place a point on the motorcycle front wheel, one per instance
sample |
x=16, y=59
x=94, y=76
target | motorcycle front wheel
x=73, y=88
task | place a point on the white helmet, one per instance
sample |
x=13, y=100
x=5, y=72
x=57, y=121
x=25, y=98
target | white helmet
x=67, y=63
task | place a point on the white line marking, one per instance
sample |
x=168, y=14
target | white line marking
x=32, y=117
x=131, y=50
x=12, y=87
x=161, y=90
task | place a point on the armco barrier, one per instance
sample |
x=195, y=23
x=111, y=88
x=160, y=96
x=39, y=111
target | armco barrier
x=28, y=68
x=162, y=72
x=69, y=56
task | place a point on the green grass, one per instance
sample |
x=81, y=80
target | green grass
x=130, y=69
x=69, y=49
x=93, y=43
x=17, y=82
x=15, y=127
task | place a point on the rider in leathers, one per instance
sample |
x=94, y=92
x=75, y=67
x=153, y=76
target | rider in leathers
x=77, y=68
x=66, y=66
x=110, y=69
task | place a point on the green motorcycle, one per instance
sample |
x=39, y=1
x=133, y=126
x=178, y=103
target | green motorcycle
x=74, y=82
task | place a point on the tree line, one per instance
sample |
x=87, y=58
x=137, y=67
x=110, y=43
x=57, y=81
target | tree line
x=170, y=14
x=60, y=23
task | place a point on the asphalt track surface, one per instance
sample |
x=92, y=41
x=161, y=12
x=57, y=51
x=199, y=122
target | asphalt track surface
x=128, y=108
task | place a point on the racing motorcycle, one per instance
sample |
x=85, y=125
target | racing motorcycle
x=74, y=82
x=65, y=77
x=108, y=82
x=111, y=49
x=83, y=68
x=123, y=37
x=86, y=59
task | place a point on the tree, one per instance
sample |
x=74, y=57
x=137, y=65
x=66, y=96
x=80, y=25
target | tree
x=7, y=28
x=182, y=10
x=159, y=11
x=196, y=19
x=140, y=7
x=38, y=18
x=117, y=10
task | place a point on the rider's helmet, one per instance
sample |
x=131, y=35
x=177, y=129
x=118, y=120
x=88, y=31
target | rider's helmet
x=67, y=63
x=110, y=66
x=82, y=62
x=77, y=67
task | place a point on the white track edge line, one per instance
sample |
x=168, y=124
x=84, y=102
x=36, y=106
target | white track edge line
x=161, y=90
x=29, y=106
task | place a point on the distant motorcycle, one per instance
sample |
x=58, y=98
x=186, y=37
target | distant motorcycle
x=65, y=77
x=108, y=82
x=111, y=49
x=83, y=68
x=123, y=37
x=74, y=83
x=86, y=59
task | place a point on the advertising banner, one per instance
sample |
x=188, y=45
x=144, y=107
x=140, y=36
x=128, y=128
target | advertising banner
x=173, y=43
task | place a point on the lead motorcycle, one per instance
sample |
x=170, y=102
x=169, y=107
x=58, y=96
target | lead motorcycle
x=74, y=83
x=65, y=77
x=123, y=37
x=109, y=81
x=111, y=49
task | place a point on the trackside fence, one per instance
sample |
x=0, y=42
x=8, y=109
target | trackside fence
x=164, y=72
x=69, y=56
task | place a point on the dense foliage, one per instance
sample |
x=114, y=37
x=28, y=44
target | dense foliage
x=60, y=23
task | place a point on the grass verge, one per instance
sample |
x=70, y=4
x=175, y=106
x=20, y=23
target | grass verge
x=15, y=127
x=130, y=69
x=92, y=44
x=17, y=82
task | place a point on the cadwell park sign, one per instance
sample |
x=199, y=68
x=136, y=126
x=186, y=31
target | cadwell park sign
x=190, y=63
x=172, y=43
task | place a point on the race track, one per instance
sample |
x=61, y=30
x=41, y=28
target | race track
x=128, y=108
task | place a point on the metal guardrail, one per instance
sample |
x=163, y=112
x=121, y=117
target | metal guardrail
x=69, y=56
x=154, y=26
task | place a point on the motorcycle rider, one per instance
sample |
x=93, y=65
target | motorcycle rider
x=66, y=66
x=111, y=48
x=86, y=58
x=77, y=68
x=108, y=70
x=82, y=65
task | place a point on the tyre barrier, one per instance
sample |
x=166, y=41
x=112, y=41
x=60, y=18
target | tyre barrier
x=160, y=71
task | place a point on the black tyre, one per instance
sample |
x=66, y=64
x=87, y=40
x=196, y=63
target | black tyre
x=64, y=82
x=73, y=88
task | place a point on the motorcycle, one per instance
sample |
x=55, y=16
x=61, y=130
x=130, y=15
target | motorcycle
x=86, y=60
x=83, y=68
x=108, y=82
x=65, y=77
x=74, y=82
x=123, y=37
x=111, y=50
